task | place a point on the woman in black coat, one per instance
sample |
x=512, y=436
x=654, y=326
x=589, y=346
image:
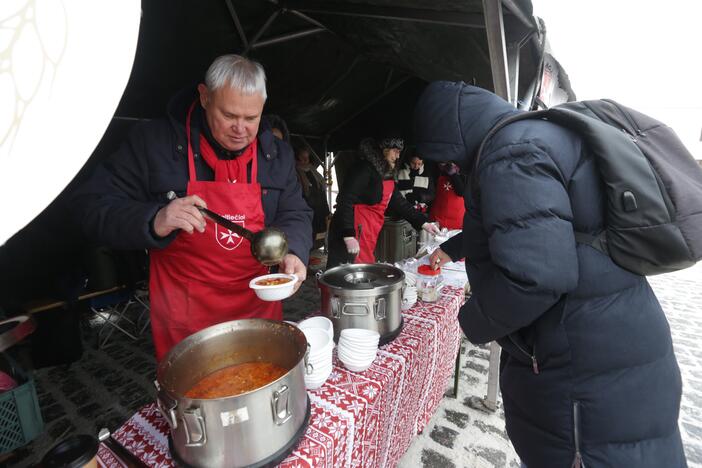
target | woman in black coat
x=367, y=192
x=588, y=373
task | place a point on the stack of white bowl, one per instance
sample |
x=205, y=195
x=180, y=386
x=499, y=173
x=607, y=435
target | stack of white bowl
x=410, y=278
x=318, y=322
x=409, y=297
x=357, y=348
x=319, y=332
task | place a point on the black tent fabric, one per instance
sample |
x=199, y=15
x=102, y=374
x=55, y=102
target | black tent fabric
x=340, y=68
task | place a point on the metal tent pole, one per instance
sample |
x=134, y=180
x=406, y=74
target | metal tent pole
x=237, y=24
x=286, y=37
x=495, y=29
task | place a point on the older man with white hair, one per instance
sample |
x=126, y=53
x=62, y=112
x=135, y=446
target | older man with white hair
x=211, y=151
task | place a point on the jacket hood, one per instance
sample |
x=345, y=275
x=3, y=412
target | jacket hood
x=369, y=150
x=451, y=119
x=178, y=106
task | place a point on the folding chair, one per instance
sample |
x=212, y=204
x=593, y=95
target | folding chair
x=141, y=297
x=112, y=309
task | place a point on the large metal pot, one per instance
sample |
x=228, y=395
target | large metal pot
x=363, y=296
x=252, y=429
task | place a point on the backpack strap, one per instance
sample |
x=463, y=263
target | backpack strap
x=596, y=241
x=497, y=127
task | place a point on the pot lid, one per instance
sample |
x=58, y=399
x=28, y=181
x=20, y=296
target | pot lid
x=362, y=276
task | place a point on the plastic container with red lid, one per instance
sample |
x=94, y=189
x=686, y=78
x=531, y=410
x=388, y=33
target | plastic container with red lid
x=427, y=270
x=429, y=283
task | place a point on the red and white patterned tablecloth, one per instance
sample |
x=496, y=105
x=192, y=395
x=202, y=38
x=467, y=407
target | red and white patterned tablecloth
x=365, y=419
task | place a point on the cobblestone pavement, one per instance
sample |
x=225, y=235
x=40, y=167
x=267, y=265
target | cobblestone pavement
x=108, y=385
x=460, y=436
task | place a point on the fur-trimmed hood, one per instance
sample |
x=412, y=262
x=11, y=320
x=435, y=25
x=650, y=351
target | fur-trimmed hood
x=369, y=150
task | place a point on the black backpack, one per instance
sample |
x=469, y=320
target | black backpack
x=653, y=220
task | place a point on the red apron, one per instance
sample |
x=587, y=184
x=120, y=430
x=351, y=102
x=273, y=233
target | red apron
x=202, y=279
x=448, y=208
x=369, y=220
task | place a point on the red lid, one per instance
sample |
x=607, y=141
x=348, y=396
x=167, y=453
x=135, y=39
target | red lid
x=427, y=270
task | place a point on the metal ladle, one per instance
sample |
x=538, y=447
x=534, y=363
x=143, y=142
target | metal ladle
x=268, y=246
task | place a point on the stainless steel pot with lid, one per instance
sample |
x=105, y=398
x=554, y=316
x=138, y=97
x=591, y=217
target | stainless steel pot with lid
x=255, y=428
x=363, y=295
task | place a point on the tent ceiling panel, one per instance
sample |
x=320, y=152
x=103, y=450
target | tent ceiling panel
x=318, y=81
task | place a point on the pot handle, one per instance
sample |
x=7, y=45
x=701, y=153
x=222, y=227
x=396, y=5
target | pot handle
x=355, y=304
x=309, y=368
x=280, y=404
x=334, y=306
x=166, y=406
x=380, y=309
x=195, y=432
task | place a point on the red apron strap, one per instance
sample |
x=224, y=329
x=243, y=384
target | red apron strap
x=254, y=163
x=191, y=160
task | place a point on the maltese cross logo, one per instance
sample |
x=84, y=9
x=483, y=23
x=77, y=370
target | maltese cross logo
x=448, y=186
x=227, y=239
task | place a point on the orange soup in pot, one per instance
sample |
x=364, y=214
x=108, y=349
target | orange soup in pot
x=235, y=380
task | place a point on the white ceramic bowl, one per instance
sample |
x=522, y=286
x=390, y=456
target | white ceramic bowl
x=319, y=342
x=318, y=322
x=321, y=364
x=275, y=292
x=361, y=350
x=360, y=335
x=319, y=372
x=318, y=376
x=410, y=279
x=314, y=384
x=357, y=350
x=363, y=343
x=356, y=360
x=356, y=368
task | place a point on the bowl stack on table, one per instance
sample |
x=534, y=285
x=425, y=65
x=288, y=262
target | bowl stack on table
x=357, y=348
x=409, y=294
x=320, y=338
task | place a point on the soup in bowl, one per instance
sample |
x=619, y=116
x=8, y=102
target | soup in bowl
x=273, y=287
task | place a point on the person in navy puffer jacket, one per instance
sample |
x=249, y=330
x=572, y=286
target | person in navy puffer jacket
x=588, y=373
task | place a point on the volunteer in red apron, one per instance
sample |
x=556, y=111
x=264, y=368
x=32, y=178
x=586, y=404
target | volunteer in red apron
x=449, y=207
x=202, y=279
x=213, y=150
x=367, y=191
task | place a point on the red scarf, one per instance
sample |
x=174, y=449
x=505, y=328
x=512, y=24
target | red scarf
x=228, y=170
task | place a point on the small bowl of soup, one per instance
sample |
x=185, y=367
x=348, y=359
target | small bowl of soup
x=274, y=287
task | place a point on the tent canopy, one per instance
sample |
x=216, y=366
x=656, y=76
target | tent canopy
x=342, y=68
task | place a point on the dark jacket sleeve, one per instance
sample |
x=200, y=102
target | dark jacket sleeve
x=427, y=195
x=527, y=218
x=358, y=182
x=458, y=181
x=114, y=205
x=453, y=247
x=293, y=215
x=402, y=208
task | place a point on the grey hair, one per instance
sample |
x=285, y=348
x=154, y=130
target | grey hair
x=238, y=72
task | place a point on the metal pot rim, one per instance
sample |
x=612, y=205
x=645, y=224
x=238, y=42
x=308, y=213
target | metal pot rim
x=164, y=364
x=383, y=285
